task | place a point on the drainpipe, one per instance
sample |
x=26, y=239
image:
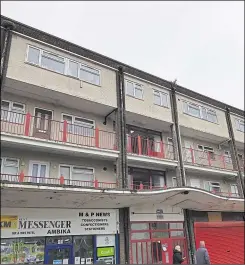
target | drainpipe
x=239, y=178
x=5, y=49
x=188, y=225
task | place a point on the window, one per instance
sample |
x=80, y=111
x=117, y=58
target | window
x=207, y=149
x=33, y=55
x=77, y=173
x=234, y=190
x=227, y=157
x=9, y=166
x=53, y=62
x=174, y=181
x=240, y=125
x=73, y=69
x=12, y=112
x=134, y=90
x=200, y=112
x=160, y=98
x=79, y=126
x=213, y=187
x=89, y=74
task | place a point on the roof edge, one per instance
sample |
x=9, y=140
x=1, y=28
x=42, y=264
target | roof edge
x=71, y=47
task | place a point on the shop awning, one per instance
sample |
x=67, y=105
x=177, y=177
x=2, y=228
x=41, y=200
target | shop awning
x=19, y=195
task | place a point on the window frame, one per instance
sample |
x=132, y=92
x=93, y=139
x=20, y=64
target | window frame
x=174, y=179
x=134, y=85
x=210, y=185
x=238, y=125
x=96, y=69
x=68, y=67
x=71, y=170
x=201, y=108
x=3, y=159
x=73, y=119
x=161, y=93
x=10, y=110
x=207, y=149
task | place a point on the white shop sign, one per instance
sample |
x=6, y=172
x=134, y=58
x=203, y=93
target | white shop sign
x=105, y=241
x=56, y=222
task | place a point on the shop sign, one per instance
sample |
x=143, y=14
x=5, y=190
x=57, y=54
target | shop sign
x=105, y=240
x=105, y=252
x=49, y=222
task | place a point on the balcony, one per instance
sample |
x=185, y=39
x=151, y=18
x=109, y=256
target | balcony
x=138, y=145
x=92, y=182
x=26, y=125
x=207, y=159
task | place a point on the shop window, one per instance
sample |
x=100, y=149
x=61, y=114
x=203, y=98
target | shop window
x=140, y=235
x=22, y=250
x=176, y=226
x=83, y=248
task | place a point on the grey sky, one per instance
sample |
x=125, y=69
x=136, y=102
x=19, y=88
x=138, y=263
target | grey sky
x=199, y=43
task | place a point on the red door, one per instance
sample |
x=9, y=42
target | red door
x=167, y=251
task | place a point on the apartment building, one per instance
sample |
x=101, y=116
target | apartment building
x=96, y=166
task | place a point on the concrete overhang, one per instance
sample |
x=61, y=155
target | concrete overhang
x=29, y=195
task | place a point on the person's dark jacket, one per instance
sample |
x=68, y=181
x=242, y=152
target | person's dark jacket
x=202, y=256
x=177, y=257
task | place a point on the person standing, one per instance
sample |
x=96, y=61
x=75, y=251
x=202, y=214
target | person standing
x=202, y=256
x=177, y=255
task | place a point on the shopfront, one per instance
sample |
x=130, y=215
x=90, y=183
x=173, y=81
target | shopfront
x=155, y=231
x=59, y=236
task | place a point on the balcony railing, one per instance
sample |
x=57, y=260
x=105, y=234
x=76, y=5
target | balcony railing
x=146, y=147
x=141, y=185
x=207, y=159
x=61, y=181
x=38, y=127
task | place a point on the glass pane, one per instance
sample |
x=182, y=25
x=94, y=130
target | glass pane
x=130, y=89
x=30, y=250
x=176, y=233
x=35, y=170
x=33, y=55
x=195, y=111
x=176, y=226
x=89, y=69
x=164, y=99
x=58, y=240
x=53, y=64
x=89, y=77
x=59, y=256
x=43, y=171
x=10, y=170
x=8, y=253
x=73, y=69
x=145, y=235
x=157, y=99
x=138, y=93
x=83, y=247
x=159, y=226
x=140, y=226
x=160, y=234
x=212, y=117
x=53, y=56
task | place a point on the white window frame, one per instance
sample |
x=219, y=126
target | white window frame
x=207, y=149
x=96, y=69
x=210, y=185
x=73, y=119
x=10, y=110
x=31, y=162
x=232, y=185
x=174, y=180
x=201, y=108
x=227, y=157
x=3, y=161
x=68, y=68
x=71, y=168
x=134, y=85
x=240, y=122
x=161, y=94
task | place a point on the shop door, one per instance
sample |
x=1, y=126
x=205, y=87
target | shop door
x=58, y=254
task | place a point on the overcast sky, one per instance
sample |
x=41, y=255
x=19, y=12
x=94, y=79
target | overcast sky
x=201, y=44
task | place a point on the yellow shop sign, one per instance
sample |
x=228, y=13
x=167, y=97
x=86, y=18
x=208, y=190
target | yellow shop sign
x=9, y=222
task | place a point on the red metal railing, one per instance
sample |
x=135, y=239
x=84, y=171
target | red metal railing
x=141, y=185
x=146, y=147
x=38, y=127
x=207, y=159
x=61, y=181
